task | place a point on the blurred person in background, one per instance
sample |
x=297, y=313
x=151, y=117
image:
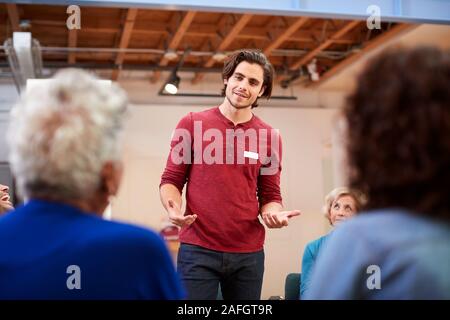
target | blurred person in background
x=340, y=205
x=65, y=155
x=398, y=154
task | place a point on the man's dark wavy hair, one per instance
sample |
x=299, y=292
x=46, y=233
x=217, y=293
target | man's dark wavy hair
x=250, y=56
x=398, y=131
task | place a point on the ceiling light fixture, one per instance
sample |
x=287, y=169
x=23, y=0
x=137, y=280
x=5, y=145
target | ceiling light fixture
x=313, y=70
x=170, y=55
x=171, y=85
x=219, y=56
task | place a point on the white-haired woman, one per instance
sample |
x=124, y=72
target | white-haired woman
x=340, y=204
x=65, y=155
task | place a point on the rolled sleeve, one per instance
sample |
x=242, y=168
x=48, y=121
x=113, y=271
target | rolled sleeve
x=176, y=172
x=269, y=179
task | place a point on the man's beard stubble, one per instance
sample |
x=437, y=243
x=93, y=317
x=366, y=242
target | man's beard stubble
x=237, y=106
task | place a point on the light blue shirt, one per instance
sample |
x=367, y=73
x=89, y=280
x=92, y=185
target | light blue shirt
x=310, y=254
x=411, y=251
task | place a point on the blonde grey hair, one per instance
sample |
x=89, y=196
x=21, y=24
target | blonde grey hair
x=339, y=192
x=62, y=133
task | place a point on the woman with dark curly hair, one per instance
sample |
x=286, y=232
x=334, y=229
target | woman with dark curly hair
x=398, y=154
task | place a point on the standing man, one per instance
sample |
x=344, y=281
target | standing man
x=231, y=161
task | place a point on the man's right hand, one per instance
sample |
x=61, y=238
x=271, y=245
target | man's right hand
x=177, y=217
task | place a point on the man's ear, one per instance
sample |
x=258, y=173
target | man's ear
x=111, y=176
x=261, y=92
x=107, y=178
x=225, y=81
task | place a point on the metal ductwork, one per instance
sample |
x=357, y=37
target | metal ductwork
x=24, y=58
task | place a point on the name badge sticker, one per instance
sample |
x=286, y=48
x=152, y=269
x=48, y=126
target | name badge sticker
x=251, y=155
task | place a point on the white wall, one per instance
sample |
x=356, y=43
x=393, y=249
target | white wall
x=307, y=157
x=8, y=96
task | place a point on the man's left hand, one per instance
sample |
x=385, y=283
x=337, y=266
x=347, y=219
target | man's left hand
x=278, y=219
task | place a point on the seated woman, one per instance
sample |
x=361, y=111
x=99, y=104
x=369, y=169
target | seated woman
x=398, y=154
x=5, y=203
x=340, y=204
x=65, y=154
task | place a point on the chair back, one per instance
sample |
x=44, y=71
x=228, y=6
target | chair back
x=292, y=286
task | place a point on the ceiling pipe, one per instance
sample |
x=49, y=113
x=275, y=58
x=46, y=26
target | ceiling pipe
x=24, y=58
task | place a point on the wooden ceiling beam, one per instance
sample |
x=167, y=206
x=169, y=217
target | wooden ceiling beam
x=285, y=35
x=174, y=42
x=13, y=15
x=181, y=30
x=228, y=39
x=336, y=36
x=367, y=48
x=125, y=39
x=143, y=57
x=205, y=30
x=72, y=43
x=243, y=20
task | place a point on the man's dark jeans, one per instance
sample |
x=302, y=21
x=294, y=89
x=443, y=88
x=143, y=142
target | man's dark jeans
x=240, y=274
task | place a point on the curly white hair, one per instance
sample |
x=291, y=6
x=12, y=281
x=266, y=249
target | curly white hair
x=61, y=134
